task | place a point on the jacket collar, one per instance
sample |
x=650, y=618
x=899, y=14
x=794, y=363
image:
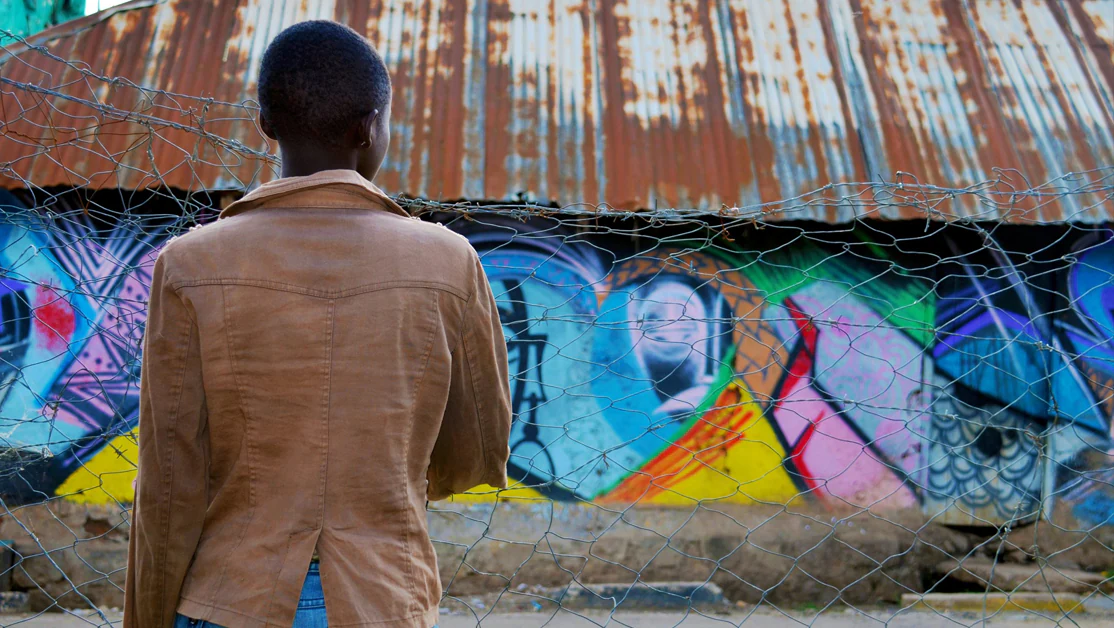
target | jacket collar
x=334, y=188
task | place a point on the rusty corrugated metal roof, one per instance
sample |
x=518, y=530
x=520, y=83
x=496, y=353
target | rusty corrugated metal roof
x=638, y=104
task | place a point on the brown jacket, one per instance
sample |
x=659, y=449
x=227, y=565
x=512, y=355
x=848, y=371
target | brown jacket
x=316, y=365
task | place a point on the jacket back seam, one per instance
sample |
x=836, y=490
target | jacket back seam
x=406, y=461
x=247, y=441
x=168, y=474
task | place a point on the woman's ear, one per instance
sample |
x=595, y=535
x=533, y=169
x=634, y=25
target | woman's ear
x=367, y=129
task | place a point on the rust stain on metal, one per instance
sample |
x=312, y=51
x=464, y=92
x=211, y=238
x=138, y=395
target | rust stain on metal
x=637, y=104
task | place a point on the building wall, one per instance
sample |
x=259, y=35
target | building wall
x=787, y=365
x=27, y=18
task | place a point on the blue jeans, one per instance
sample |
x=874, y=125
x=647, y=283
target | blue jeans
x=311, y=606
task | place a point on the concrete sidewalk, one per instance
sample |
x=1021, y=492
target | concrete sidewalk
x=763, y=618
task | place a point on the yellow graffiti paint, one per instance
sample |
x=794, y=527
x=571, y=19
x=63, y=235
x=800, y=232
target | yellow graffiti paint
x=107, y=477
x=487, y=494
x=748, y=470
x=731, y=453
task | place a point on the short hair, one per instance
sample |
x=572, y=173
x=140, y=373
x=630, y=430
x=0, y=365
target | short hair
x=317, y=78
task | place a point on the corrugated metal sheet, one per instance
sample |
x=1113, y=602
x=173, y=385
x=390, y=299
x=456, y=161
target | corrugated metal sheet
x=638, y=104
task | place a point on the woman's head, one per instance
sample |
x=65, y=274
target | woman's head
x=324, y=90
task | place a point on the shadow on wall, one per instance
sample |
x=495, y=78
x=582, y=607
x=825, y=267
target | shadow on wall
x=827, y=374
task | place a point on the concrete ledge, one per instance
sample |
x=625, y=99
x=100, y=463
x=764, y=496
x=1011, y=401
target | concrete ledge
x=640, y=595
x=1030, y=577
x=995, y=602
x=66, y=553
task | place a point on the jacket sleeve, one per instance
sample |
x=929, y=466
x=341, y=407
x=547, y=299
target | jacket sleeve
x=473, y=445
x=172, y=483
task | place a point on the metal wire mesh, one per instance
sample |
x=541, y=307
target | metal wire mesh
x=732, y=415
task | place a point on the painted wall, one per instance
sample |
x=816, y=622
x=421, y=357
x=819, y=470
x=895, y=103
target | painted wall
x=841, y=375
x=27, y=18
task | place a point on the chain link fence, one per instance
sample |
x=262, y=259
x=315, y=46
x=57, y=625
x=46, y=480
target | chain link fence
x=722, y=414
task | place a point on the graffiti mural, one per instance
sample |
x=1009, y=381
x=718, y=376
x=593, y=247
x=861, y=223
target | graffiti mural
x=1016, y=366
x=1083, y=443
x=983, y=459
x=686, y=374
x=668, y=374
x=675, y=378
x=73, y=300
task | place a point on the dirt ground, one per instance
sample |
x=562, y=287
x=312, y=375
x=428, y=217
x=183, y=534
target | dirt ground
x=761, y=618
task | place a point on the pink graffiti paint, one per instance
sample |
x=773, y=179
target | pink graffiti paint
x=828, y=453
x=832, y=457
x=54, y=320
